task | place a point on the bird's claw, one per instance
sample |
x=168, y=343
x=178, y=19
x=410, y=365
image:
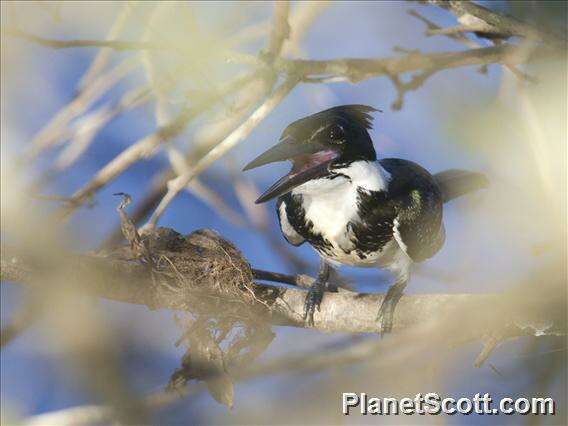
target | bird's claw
x=385, y=318
x=313, y=301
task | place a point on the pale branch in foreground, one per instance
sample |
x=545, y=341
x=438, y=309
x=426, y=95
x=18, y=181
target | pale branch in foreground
x=122, y=45
x=103, y=56
x=53, y=133
x=279, y=32
x=206, y=275
x=147, y=146
x=202, y=271
x=357, y=349
x=270, y=63
x=22, y=319
x=278, y=35
x=353, y=70
x=239, y=134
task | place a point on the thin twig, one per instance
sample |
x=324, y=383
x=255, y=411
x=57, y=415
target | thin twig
x=104, y=55
x=122, y=45
x=210, y=197
x=146, y=147
x=302, y=19
x=21, y=320
x=279, y=32
x=231, y=117
x=88, y=126
x=302, y=281
x=143, y=148
x=403, y=87
x=505, y=24
x=119, y=45
x=53, y=132
x=455, y=30
x=246, y=98
x=177, y=184
x=433, y=27
x=247, y=34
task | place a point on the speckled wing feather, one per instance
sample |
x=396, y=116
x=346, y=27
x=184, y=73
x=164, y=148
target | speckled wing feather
x=418, y=203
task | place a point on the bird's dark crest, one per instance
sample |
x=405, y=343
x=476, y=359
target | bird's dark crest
x=359, y=114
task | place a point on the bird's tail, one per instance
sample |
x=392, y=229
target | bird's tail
x=454, y=183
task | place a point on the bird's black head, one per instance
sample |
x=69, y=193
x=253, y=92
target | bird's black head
x=318, y=143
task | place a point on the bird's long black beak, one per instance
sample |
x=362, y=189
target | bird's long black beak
x=311, y=160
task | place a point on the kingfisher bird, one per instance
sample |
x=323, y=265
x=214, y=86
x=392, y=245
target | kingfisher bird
x=354, y=209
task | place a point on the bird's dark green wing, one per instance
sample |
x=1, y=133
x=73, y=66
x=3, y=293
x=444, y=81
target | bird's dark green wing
x=416, y=203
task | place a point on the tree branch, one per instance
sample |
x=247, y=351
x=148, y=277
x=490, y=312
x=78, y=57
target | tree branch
x=356, y=70
x=433, y=29
x=205, y=266
x=505, y=24
x=119, y=45
x=202, y=272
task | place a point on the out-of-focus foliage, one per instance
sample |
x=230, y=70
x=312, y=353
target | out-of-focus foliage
x=82, y=352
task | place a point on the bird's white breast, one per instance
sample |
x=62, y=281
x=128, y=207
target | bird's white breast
x=330, y=204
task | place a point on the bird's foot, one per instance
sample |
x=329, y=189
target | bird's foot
x=385, y=317
x=313, y=301
x=332, y=288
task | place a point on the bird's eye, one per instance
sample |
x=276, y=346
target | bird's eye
x=336, y=133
